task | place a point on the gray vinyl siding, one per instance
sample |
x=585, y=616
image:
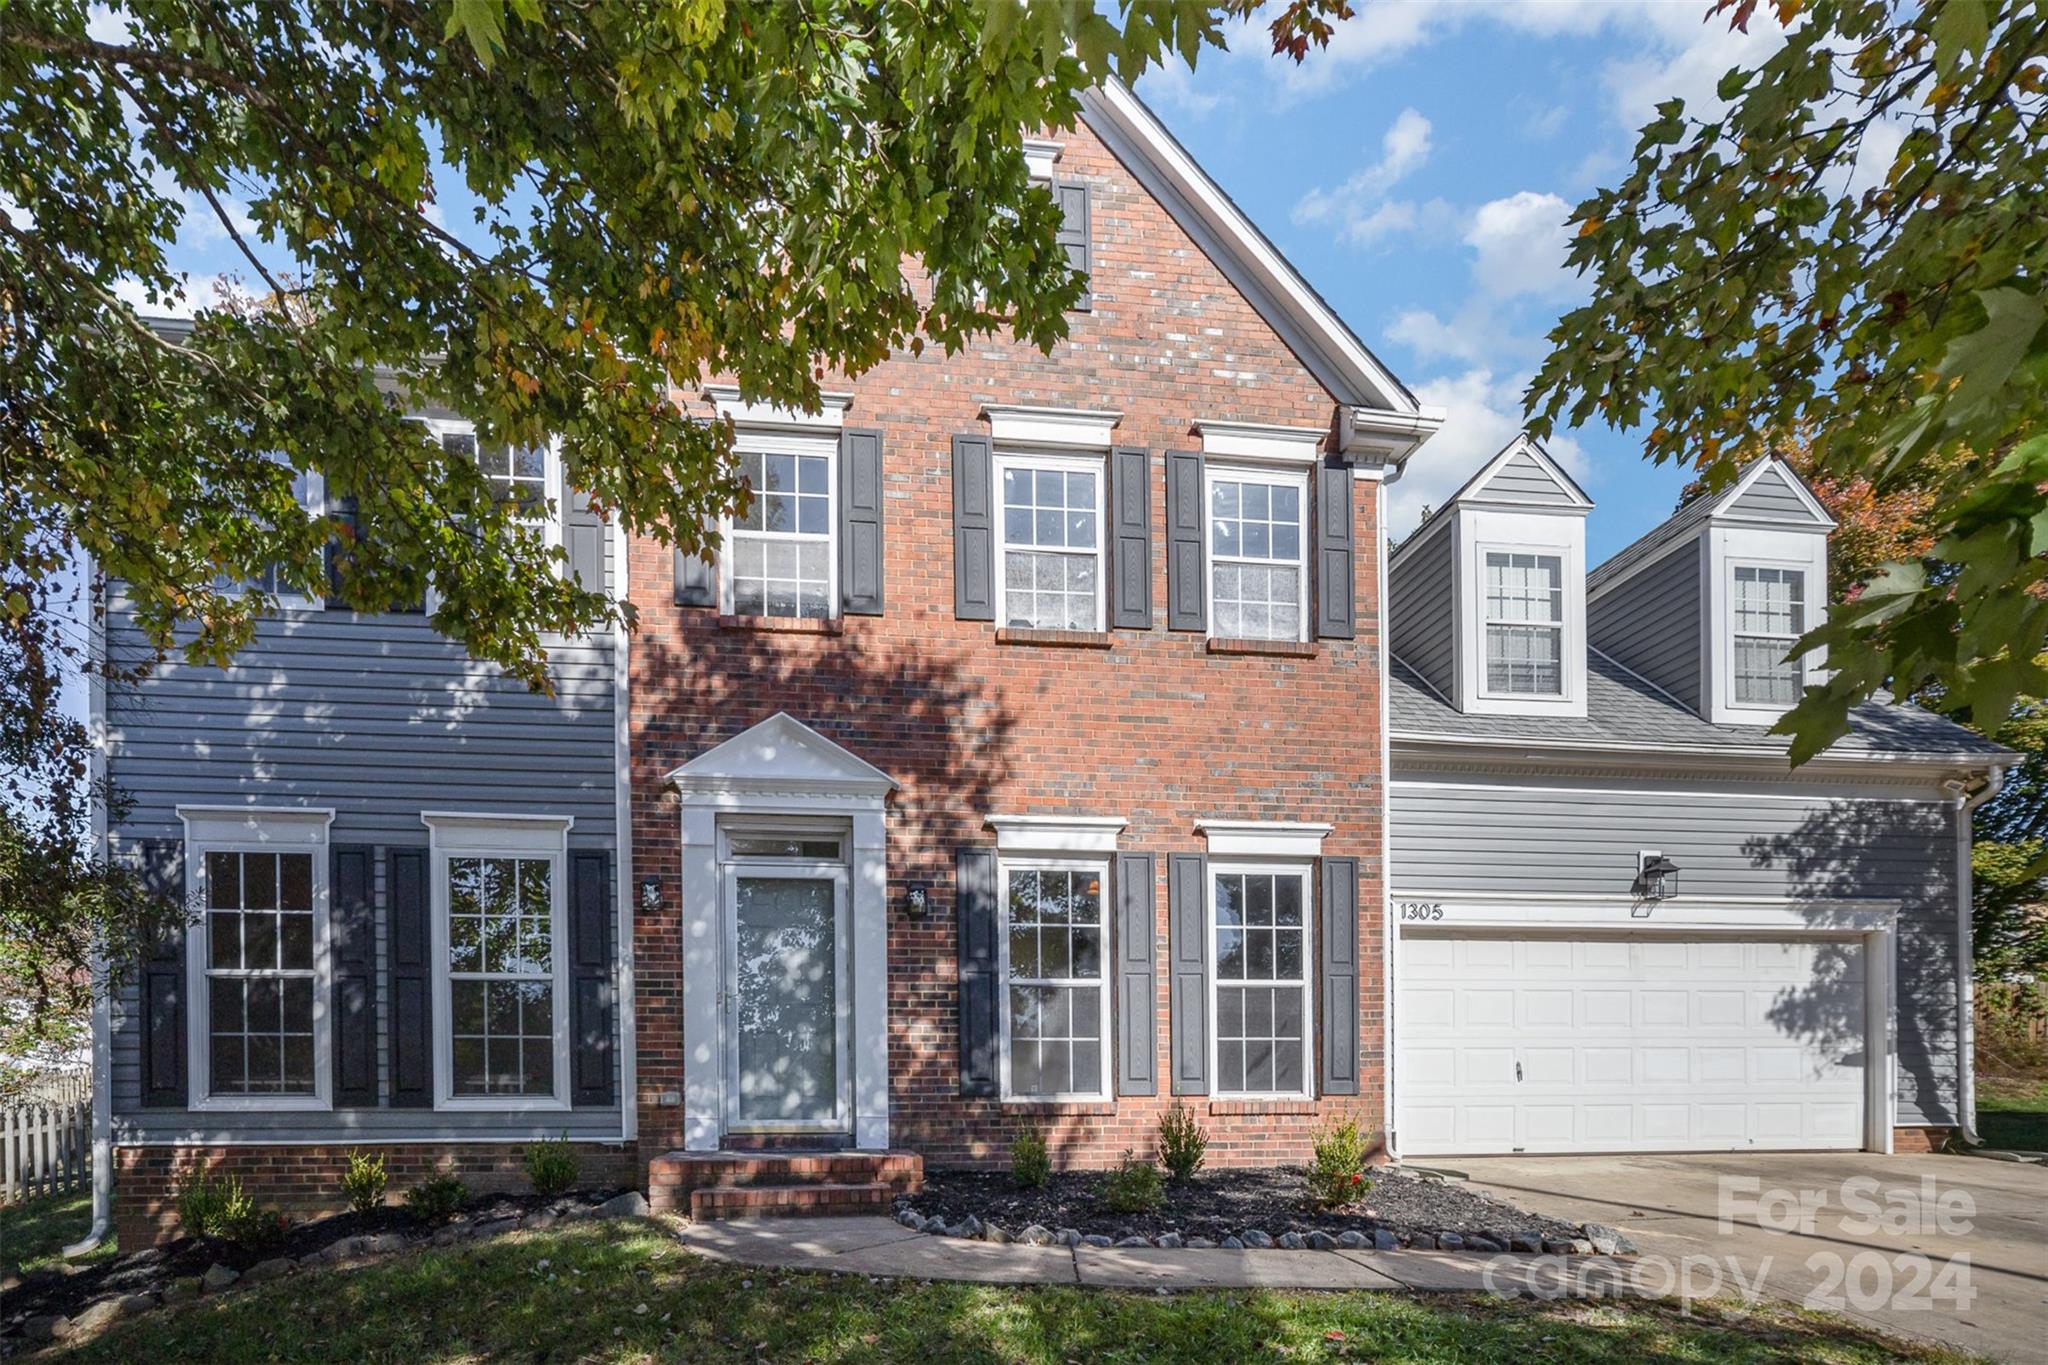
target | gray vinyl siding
x=1568, y=836
x=1650, y=623
x=380, y=718
x=1771, y=497
x=1521, y=479
x=1422, y=611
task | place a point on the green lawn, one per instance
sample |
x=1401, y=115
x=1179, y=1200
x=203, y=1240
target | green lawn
x=32, y=1232
x=2013, y=1115
x=629, y=1292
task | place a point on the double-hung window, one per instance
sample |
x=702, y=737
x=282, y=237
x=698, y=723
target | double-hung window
x=1769, y=618
x=500, y=990
x=1258, y=573
x=1050, y=550
x=1056, y=1002
x=522, y=477
x=1259, y=942
x=1524, y=623
x=779, y=552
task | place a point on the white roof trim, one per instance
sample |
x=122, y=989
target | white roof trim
x=1260, y=441
x=1039, y=155
x=1056, y=833
x=1012, y=424
x=1474, y=489
x=1724, y=506
x=1263, y=838
x=780, y=756
x=746, y=413
x=1337, y=358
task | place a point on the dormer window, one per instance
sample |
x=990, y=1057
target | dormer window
x=1769, y=618
x=1524, y=623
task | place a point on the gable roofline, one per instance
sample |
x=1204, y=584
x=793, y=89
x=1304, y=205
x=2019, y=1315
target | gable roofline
x=760, y=757
x=1682, y=526
x=1329, y=349
x=1439, y=518
x=1756, y=471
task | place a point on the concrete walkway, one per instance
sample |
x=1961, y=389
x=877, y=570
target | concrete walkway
x=879, y=1246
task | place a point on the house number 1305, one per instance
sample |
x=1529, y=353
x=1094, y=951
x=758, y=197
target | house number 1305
x=1429, y=910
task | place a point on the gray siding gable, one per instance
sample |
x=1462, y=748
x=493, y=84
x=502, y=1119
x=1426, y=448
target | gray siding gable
x=1524, y=480
x=1771, y=498
x=1422, y=610
x=1651, y=625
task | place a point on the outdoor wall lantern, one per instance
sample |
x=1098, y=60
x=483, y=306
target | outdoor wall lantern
x=1656, y=876
x=917, y=899
x=650, y=894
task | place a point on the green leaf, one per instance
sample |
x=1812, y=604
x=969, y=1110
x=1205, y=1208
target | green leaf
x=1984, y=360
x=482, y=22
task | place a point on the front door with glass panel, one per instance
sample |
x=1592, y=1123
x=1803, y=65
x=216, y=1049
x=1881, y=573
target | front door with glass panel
x=787, y=1006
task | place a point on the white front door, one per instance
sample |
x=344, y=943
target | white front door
x=1608, y=1043
x=787, y=1003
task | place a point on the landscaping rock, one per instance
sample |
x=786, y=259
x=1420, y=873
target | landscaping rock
x=1351, y=1239
x=1169, y=1240
x=493, y=1227
x=1036, y=1235
x=1200, y=1244
x=991, y=1233
x=1486, y=1244
x=1321, y=1241
x=276, y=1268
x=1423, y=1241
x=1134, y=1242
x=1095, y=1239
x=911, y=1219
x=1382, y=1240
x=443, y=1237
x=216, y=1278
x=383, y=1244
x=46, y=1327
x=1606, y=1240
x=1581, y=1247
x=968, y=1227
x=1233, y=1244
x=1556, y=1248
x=1253, y=1237
x=1530, y=1244
x=1069, y=1237
x=1292, y=1241
x=538, y=1222
x=1449, y=1241
x=631, y=1204
x=95, y=1318
x=133, y=1304
x=182, y=1291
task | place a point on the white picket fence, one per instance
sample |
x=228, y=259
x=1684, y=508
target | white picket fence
x=45, y=1149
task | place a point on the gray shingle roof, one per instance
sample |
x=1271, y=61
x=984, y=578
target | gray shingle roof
x=1624, y=711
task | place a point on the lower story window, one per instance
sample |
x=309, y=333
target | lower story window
x=260, y=973
x=1260, y=929
x=1055, y=1010
x=501, y=976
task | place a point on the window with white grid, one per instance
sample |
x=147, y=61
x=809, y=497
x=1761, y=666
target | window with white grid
x=1524, y=623
x=1051, y=544
x=1055, y=1004
x=1259, y=923
x=1257, y=572
x=1769, y=616
x=501, y=976
x=779, y=551
x=261, y=973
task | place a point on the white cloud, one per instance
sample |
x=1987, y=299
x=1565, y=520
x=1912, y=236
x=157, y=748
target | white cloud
x=1484, y=415
x=1432, y=338
x=1519, y=244
x=1359, y=207
x=1172, y=88
x=1543, y=124
x=1689, y=55
x=199, y=291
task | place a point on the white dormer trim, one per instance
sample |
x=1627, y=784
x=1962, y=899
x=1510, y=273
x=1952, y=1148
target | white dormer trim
x=1260, y=441
x=1039, y=156
x=1263, y=838
x=1475, y=489
x=1762, y=545
x=1056, y=833
x=1724, y=507
x=1478, y=529
x=748, y=413
x=1013, y=424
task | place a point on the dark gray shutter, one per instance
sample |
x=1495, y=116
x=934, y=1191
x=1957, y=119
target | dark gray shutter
x=341, y=510
x=1187, y=599
x=1187, y=913
x=163, y=984
x=980, y=992
x=590, y=978
x=409, y=974
x=1137, y=976
x=1130, y=530
x=1336, y=607
x=583, y=534
x=860, y=523
x=1337, y=955
x=352, y=913
x=1076, y=233
x=696, y=581
x=974, y=530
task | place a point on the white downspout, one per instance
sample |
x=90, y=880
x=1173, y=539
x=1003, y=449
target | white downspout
x=1388, y=944
x=102, y=977
x=1966, y=972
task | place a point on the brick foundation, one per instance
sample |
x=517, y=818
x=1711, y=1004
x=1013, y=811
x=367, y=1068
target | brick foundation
x=305, y=1182
x=1919, y=1141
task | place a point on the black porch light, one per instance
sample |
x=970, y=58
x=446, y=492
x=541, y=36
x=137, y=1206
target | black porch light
x=1657, y=877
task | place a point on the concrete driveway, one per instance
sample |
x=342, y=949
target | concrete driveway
x=1952, y=1249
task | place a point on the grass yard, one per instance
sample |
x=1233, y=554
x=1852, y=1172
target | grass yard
x=2013, y=1114
x=629, y=1292
x=33, y=1232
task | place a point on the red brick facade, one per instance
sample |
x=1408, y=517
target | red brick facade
x=305, y=1181
x=1157, y=728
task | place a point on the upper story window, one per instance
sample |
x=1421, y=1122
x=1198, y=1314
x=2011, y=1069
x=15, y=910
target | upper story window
x=779, y=554
x=1050, y=547
x=1258, y=578
x=1769, y=618
x=1524, y=623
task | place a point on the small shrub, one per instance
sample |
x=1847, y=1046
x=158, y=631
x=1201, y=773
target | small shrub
x=254, y=1227
x=1134, y=1186
x=1336, y=1172
x=1030, y=1162
x=207, y=1206
x=437, y=1200
x=550, y=1166
x=364, y=1182
x=1182, y=1142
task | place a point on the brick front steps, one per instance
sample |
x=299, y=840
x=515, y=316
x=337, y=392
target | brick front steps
x=771, y=1184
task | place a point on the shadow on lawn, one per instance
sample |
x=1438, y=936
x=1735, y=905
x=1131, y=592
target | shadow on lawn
x=629, y=1292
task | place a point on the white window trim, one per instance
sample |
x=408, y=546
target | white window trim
x=1266, y=867
x=1266, y=474
x=1566, y=674
x=1013, y=424
x=1298, y=840
x=1066, y=463
x=459, y=834
x=1047, y=834
x=743, y=413
x=254, y=829
x=1039, y=156
x=1261, y=441
x=1005, y=864
x=550, y=527
x=760, y=441
x=315, y=507
x=1803, y=662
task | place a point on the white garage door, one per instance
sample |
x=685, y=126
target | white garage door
x=1530, y=1043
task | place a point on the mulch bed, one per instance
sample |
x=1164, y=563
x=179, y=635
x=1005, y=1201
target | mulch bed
x=1219, y=1204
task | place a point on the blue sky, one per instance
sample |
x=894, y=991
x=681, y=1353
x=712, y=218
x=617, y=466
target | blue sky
x=1418, y=172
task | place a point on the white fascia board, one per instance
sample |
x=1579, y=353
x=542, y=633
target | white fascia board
x=256, y=824
x=1263, y=838
x=1260, y=441
x=1012, y=424
x=1039, y=156
x=1056, y=833
x=1724, y=505
x=1381, y=440
x=747, y=413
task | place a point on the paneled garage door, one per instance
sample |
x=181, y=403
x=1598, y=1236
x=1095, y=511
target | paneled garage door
x=1526, y=1043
